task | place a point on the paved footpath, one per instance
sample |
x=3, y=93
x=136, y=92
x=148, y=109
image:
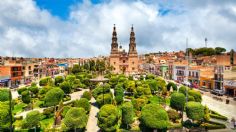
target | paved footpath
x=92, y=120
x=228, y=110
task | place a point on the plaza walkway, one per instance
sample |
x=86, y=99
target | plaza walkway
x=92, y=120
x=228, y=110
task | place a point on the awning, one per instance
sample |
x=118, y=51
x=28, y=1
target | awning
x=4, y=79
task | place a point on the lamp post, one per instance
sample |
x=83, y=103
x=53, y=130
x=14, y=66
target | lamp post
x=10, y=110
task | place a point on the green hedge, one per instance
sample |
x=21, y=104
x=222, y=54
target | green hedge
x=214, y=114
x=213, y=125
x=219, y=117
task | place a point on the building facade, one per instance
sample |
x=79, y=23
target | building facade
x=121, y=61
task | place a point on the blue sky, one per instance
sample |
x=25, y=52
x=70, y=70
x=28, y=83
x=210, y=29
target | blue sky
x=76, y=28
x=60, y=8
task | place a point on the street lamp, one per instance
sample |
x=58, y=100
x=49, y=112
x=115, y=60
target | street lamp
x=10, y=110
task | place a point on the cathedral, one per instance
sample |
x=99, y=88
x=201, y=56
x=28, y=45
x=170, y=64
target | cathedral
x=120, y=60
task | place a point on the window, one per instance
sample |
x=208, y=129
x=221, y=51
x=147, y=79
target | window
x=29, y=67
x=189, y=73
x=114, y=62
x=132, y=62
x=133, y=68
x=114, y=68
x=123, y=61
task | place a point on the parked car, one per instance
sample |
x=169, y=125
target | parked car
x=218, y=92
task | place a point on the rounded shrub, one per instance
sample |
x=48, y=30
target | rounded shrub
x=53, y=97
x=75, y=118
x=107, y=98
x=195, y=110
x=154, y=116
x=82, y=103
x=177, y=101
x=171, y=85
x=108, y=117
x=196, y=94
x=32, y=120
x=87, y=95
x=127, y=113
x=25, y=96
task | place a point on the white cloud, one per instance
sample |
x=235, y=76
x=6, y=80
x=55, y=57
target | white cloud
x=29, y=31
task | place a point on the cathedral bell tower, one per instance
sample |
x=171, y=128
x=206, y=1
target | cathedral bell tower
x=114, y=44
x=132, y=44
x=132, y=54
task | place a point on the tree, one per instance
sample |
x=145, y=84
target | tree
x=232, y=57
x=113, y=81
x=142, y=90
x=70, y=79
x=53, y=97
x=82, y=103
x=5, y=116
x=75, y=118
x=58, y=80
x=138, y=103
x=171, y=85
x=20, y=90
x=183, y=90
x=108, y=117
x=177, y=101
x=104, y=99
x=152, y=84
x=100, y=89
x=25, y=96
x=196, y=94
x=87, y=95
x=130, y=86
x=219, y=50
x=34, y=90
x=161, y=83
x=119, y=93
x=46, y=81
x=32, y=120
x=76, y=69
x=127, y=113
x=66, y=87
x=4, y=95
x=194, y=110
x=154, y=116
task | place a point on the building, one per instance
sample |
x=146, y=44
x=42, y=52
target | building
x=11, y=76
x=120, y=60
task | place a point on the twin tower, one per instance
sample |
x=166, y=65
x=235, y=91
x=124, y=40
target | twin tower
x=121, y=61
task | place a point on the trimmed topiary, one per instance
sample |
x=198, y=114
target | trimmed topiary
x=108, y=118
x=82, y=103
x=177, y=101
x=154, y=116
x=87, y=95
x=195, y=110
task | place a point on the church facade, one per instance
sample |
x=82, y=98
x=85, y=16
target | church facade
x=120, y=60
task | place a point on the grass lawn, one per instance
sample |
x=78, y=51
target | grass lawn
x=19, y=108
